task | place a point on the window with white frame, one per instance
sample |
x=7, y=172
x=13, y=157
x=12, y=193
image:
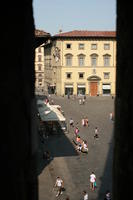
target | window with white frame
x=106, y=59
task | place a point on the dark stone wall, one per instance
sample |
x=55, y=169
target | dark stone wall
x=123, y=158
x=18, y=140
x=17, y=152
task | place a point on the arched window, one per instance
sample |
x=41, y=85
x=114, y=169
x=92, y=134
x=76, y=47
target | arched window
x=68, y=59
x=81, y=59
x=94, y=60
x=106, y=59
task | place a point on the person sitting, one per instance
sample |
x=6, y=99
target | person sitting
x=84, y=147
x=79, y=143
x=79, y=147
x=78, y=139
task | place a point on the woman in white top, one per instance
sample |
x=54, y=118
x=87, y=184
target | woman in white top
x=92, y=181
x=84, y=146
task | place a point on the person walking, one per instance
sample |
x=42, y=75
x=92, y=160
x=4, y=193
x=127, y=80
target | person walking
x=83, y=101
x=92, y=181
x=71, y=122
x=59, y=184
x=96, y=133
x=85, y=195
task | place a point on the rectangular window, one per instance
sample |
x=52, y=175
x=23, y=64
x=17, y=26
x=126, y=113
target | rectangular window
x=106, y=61
x=68, y=61
x=39, y=67
x=68, y=46
x=81, y=75
x=68, y=75
x=106, y=46
x=106, y=75
x=93, y=46
x=39, y=58
x=81, y=60
x=94, y=61
x=81, y=46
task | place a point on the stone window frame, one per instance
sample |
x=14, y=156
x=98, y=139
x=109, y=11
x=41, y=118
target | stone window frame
x=94, y=55
x=68, y=73
x=68, y=56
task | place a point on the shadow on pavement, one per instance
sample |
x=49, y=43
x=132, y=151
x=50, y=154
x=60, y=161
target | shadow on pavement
x=106, y=179
x=58, y=145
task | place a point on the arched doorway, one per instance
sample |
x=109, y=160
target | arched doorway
x=93, y=85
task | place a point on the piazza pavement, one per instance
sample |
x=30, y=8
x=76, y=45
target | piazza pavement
x=74, y=167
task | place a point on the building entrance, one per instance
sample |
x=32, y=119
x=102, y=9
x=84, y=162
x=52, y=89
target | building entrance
x=93, y=88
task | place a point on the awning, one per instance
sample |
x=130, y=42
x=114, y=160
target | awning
x=68, y=86
x=49, y=112
x=81, y=86
x=106, y=86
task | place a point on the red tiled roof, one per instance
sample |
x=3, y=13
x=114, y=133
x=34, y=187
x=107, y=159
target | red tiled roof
x=41, y=33
x=79, y=33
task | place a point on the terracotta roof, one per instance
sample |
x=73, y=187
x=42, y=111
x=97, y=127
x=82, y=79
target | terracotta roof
x=85, y=33
x=41, y=33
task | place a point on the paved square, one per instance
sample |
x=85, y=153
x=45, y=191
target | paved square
x=75, y=168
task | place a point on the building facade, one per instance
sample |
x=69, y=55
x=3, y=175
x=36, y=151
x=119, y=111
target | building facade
x=39, y=61
x=81, y=63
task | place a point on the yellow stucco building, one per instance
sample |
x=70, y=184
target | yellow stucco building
x=81, y=62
